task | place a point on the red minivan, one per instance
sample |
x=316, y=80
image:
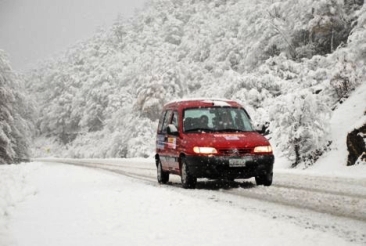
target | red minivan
x=210, y=138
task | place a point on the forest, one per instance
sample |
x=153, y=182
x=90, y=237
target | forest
x=289, y=62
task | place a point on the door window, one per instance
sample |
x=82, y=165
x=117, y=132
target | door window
x=167, y=118
x=175, y=121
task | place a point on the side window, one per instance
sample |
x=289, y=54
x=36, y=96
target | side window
x=175, y=119
x=167, y=119
x=246, y=121
x=161, y=120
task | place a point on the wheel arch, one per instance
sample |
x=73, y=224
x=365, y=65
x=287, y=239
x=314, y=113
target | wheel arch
x=157, y=157
x=180, y=159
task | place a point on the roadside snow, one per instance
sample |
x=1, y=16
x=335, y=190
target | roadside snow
x=81, y=206
x=15, y=188
x=348, y=116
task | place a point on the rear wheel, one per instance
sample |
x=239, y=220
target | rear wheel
x=265, y=180
x=188, y=181
x=163, y=177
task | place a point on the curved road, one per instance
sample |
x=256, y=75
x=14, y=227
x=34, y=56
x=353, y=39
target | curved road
x=329, y=203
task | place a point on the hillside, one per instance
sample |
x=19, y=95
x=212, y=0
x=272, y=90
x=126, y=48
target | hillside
x=350, y=115
x=289, y=62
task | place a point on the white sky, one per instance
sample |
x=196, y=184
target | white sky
x=32, y=30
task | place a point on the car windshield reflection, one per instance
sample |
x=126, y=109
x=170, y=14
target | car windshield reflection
x=216, y=119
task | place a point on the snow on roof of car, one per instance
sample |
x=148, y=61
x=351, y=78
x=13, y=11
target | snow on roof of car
x=216, y=101
x=219, y=103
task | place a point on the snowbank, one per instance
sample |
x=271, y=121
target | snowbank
x=14, y=189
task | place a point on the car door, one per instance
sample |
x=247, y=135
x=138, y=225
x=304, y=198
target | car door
x=173, y=144
x=162, y=138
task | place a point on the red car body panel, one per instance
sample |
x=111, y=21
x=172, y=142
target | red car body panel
x=240, y=144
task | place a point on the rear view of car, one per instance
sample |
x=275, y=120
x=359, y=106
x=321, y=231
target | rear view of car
x=210, y=138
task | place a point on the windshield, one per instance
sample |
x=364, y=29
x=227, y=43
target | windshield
x=217, y=119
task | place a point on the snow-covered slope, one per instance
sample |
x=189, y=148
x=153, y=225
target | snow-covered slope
x=278, y=58
x=348, y=116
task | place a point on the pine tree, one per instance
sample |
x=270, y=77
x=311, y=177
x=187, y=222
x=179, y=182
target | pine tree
x=14, y=129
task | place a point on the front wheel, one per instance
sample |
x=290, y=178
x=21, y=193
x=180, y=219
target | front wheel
x=188, y=181
x=265, y=180
x=163, y=177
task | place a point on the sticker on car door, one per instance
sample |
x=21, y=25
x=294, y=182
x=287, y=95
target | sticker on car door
x=160, y=141
x=172, y=143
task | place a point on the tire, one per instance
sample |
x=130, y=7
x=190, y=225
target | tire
x=188, y=181
x=265, y=180
x=230, y=179
x=163, y=177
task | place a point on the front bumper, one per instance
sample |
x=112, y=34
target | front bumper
x=215, y=167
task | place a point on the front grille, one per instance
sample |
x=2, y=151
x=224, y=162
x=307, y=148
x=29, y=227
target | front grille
x=235, y=152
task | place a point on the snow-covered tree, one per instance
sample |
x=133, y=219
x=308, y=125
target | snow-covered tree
x=6, y=119
x=356, y=41
x=299, y=123
x=15, y=116
x=261, y=53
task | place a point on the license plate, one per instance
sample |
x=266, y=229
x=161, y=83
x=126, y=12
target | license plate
x=236, y=162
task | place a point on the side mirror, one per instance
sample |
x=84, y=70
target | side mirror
x=262, y=129
x=172, y=130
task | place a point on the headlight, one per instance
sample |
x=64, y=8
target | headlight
x=263, y=149
x=204, y=150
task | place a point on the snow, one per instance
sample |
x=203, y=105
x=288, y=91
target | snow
x=217, y=101
x=45, y=203
x=349, y=115
x=56, y=204
x=70, y=205
x=118, y=81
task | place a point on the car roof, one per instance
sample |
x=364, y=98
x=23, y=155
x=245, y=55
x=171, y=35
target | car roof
x=202, y=102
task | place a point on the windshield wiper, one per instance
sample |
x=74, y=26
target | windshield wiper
x=231, y=130
x=199, y=130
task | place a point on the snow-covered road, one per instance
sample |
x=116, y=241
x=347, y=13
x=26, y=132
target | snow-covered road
x=71, y=205
x=340, y=196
